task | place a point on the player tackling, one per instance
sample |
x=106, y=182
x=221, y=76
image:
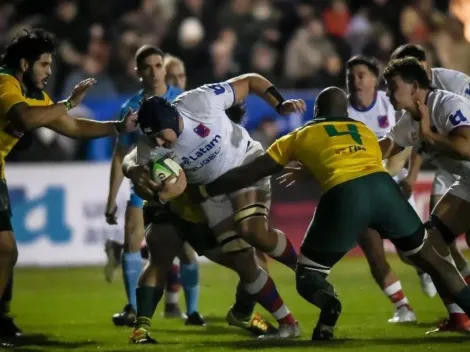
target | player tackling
x=345, y=158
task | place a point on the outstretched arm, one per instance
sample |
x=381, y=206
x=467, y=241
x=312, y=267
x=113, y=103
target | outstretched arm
x=242, y=176
x=389, y=148
x=253, y=83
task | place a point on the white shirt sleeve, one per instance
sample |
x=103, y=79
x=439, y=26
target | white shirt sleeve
x=458, y=115
x=401, y=133
x=206, y=102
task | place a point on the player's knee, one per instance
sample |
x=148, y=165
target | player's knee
x=412, y=244
x=252, y=219
x=435, y=224
x=311, y=284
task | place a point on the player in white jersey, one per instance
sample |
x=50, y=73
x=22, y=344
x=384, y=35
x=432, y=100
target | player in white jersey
x=207, y=144
x=372, y=107
x=458, y=83
x=436, y=122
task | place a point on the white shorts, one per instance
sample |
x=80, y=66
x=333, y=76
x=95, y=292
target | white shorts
x=219, y=208
x=443, y=180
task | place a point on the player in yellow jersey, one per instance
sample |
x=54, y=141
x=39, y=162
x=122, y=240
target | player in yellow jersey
x=345, y=158
x=24, y=105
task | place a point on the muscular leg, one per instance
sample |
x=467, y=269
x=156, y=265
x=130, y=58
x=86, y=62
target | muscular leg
x=251, y=211
x=372, y=245
x=189, y=276
x=163, y=244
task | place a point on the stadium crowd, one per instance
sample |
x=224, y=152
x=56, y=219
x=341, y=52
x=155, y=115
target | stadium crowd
x=297, y=44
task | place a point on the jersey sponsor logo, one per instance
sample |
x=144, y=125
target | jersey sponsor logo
x=383, y=121
x=207, y=153
x=201, y=130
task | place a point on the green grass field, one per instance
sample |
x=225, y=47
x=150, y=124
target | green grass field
x=70, y=309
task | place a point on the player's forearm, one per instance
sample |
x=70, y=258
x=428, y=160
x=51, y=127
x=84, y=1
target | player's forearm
x=231, y=181
x=389, y=148
x=32, y=117
x=90, y=129
x=414, y=165
x=454, y=147
x=265, y=90
x=397, y=162
x=116, y=174
x=129, y=161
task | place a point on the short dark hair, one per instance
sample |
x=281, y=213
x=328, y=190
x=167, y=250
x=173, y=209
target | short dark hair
x=371, y=63
x=145, y=51
x=409, y=69
x=29, y=46
x=412, y=50
x=237, y=113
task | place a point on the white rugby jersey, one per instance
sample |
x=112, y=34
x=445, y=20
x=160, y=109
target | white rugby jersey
x=210, y=144
x=379, y=117
x=452, y=81
x=447, y=111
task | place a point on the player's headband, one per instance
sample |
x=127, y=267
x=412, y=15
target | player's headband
x=157, y=114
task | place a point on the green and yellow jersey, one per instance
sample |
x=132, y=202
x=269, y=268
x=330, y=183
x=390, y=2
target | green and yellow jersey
x=11, y=93
x=334, y=150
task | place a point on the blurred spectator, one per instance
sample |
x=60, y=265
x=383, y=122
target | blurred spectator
x=418, y=19
x=336, y=18
x=263, y=61
x=91, y=67
x=308, y=50
x=359, y=31
x=452, y=49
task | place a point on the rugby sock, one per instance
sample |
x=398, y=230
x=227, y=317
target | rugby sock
x=6, y=298
x=265, y=292
x=131, y=269
x=396, y=295
x=189, y=276
x=463, y=300
x=147, y=301
x=284, y=252
x=172, y=285
x=244, y=303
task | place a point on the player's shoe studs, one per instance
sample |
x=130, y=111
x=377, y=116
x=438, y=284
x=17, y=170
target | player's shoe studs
x=173, y=311
x=126, y=317
x=8, y=327
x=195, y=319
x=427, y=285
x=284, y=331
x=404, y=314
x=456, y=323
x=141, y=336
x=255, y=324
x=112, y=263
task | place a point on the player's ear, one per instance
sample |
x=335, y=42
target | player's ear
x=24, y=65
x=414, y=87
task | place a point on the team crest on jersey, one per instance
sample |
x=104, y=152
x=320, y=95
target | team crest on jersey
x=383, y=121
x=202, y=131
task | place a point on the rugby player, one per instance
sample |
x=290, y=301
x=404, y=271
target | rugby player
x=24, y=106
x=458, y=83
x=207, y=143
x=370, y=106
x=168, y=227
x=345, y=158
x=151, y=66
x=435, y=122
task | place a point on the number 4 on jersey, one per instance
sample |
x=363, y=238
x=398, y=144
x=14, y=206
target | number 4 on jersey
x=352, y=131
x=457, y=118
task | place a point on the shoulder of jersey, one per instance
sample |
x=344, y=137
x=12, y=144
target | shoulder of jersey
x=133, y=101
x=7, y=78
x=450, y=99
x=173, y=92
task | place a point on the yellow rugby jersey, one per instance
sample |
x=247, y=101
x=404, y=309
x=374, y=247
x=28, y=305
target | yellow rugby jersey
x=11, y=94
x=334, y=150
x=185, y=209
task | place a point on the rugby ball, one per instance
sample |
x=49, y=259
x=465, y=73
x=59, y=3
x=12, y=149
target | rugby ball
x=164, y=168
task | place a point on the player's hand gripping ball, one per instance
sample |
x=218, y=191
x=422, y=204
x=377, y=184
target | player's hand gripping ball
x=170, y=175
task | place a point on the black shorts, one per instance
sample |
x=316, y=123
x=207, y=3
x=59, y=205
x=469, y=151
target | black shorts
x=198, y=235
x=5, y=208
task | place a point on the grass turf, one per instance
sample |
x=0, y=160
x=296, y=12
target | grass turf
x=70, y=309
